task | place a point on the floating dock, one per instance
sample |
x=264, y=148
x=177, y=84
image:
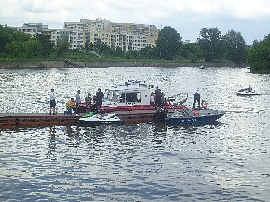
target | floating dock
x=36, y=119
x=134, y=116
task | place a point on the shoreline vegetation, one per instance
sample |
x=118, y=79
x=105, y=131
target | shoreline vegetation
x=76, y=64
x=19, y=50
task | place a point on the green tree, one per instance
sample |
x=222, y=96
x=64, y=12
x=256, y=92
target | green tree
x=259, y=56
x=9, y=35
x=235, y=46
x=211, y=44
x=16, y=49
x=147, y=52
x=101, y=48
x=131, y=54
x=61, y=47
x=168, y=43
x=47, y=46
x=117, y=52
x=192, y=52
x=33, y=48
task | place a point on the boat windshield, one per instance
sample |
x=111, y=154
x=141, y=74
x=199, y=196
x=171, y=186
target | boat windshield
x=121, y=96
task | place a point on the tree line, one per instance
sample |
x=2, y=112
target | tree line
x=211, y=46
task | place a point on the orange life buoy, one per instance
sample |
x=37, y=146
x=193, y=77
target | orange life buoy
x=195, y=112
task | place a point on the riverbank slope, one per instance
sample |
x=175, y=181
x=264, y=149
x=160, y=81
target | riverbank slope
x=71, y=64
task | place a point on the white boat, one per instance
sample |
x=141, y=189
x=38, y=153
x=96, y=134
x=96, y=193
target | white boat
x=130, y=95
x=201, y=67
x=132, y=92
x=247, y=91
x=95, y=119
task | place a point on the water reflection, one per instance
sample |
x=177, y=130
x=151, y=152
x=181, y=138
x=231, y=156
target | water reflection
x=227, y=160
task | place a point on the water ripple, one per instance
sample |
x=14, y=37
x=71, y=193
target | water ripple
x=224, y=161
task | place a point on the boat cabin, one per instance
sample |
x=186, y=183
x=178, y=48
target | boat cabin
x=132, y=92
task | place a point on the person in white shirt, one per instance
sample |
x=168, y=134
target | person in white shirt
x=152, y=100
x=77, y=101
x=52, y=102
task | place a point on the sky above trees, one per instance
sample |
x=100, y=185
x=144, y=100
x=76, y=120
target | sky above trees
x=188, y=17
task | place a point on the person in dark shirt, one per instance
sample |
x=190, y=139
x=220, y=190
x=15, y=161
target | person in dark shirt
x=99, y=97
x=197, y=98
x=158, y=98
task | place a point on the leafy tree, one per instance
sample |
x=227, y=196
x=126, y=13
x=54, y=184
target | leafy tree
x=255, y=42
x=16, y=49
x=259, y=56
x=117, y=52
x=46, y=44
x=211, y=44
x=33, y=48
x=9, y=35
x=24, y=49
x=147, y=52
x=191, y=51
x=101, y=47
x=168, y=43
x=61, y=47
x=235, y=46
x=131, y=54
x=88, y=46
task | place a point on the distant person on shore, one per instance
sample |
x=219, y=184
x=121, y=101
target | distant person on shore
x=52, y=102
x=69, y=106
x=78, y=101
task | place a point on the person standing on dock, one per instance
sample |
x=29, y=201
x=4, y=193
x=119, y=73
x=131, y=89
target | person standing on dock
x=69, y=106
x=77, y=101
x=52, y=102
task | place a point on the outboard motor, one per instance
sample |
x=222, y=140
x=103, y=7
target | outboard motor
x=160, y=114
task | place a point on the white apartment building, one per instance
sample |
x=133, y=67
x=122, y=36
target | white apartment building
x=127, y=36
x=58, y=34
x=32, y=28
x=78, y=34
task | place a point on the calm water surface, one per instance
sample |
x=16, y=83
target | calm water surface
x=225, y=161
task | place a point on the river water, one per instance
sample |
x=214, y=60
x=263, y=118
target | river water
x=225, y=161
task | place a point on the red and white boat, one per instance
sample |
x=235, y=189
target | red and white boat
x=134, y=95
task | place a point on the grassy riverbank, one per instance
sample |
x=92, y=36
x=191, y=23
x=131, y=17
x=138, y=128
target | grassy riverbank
x=76, y=64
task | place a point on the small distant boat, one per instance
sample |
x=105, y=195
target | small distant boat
x=95, y=119
x=202, y=67
x=189, y=116
x=247, y=91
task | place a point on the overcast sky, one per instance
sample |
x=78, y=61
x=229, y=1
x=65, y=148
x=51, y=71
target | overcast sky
x=249, y=17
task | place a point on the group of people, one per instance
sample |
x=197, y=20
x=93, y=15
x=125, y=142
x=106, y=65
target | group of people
x=92, y=103
x=158, y=98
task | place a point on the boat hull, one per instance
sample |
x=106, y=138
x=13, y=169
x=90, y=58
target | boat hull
x=118, y=122
x=97, y=119
x=246, y=93
x=193, y=119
